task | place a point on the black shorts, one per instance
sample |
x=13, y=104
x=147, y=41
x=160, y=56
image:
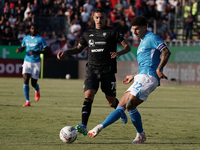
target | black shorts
x=108, y=82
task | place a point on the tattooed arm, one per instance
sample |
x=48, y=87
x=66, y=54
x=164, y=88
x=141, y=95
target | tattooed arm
x=72, y=51
x=164, y=58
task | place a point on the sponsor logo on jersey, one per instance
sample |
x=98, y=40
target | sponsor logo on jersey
x=100, y=43
x=97, y=50
x=141, y=50
x=91, y=43
x=31, y=44
x=104, y=34
x=91, y=35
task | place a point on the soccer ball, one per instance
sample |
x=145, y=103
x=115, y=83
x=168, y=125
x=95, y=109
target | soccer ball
x=68, y=76
x=68, y=134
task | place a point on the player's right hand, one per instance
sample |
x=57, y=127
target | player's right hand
x=128, y=79
x=61, y=54
x=17, y=50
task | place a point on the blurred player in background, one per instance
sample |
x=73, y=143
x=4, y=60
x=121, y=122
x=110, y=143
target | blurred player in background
x=35, y=45
x=101, y=66
x=145, y=80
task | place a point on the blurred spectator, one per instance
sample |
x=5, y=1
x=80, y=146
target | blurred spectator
x=187, y=9
x=68, y=3
x=172, y=34
x=68, y=13
x=188, y=26
x=113, y=3
x=21, y=34
x=160, y=6
x=7, y=25
x=20, y=24
x=7, y=36
x=27, y=13
x=2, y=22
x=62, y=38
x=20, y=6
x=139, y=5
x=45, y=35
x=6, y=8
x=194, y=9
x=84, y=18
x=106, y=4
x=123, y=28
x=114, y=17
x=12, y=6
x=19, y=14
x=12, y=21
x=119, y=6
x=126, y=4
x=88, y=7
x=98, y=3
x=150, y=8
x=76, y=28
x=54, y=35
x=35, y=8
x=168, y=37
x=173, y=6
x=77, y=7
x=63, y=8
x=164, y=20
x=163, y=35
x=71, y=38
x=130, y=13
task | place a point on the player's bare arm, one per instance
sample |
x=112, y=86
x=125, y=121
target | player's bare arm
x=20, y=49
x=164, y=59
x=44, y=51
x=72, y=51
x=125, y=50
x=129, y=78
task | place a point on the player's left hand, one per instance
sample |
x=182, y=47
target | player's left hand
x=161, y=75
x=114, y=54
x=31, y=52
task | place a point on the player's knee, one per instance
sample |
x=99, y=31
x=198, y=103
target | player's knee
x=26, y=80
x=129, y=105
x=33, y=84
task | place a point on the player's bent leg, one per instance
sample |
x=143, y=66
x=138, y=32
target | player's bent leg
x=95, y=131
x=113, y=102
x=123, y=117
x=35, y=85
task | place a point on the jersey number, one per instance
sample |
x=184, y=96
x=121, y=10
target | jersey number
x=137, y=86
x=113, y=85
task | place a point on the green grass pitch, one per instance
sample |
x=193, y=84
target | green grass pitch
x=171, y=118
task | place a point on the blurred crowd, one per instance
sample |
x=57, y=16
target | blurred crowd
x=17, y=16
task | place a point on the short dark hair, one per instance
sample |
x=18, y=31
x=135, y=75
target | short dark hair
x=139, y=21
x=34, y=25
x=100, y=9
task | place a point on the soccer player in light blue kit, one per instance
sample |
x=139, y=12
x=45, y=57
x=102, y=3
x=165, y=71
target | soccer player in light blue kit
x=35, y=45
x=145, y=80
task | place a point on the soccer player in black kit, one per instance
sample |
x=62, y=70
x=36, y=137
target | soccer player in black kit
x=101, y=66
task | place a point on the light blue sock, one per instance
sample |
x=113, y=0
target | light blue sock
x=37, y=87
x=136, y=120
x=26, y=91
x=113, y=116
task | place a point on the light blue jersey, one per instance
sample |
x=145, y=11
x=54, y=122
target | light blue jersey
x=148, y=54
x=36, y=43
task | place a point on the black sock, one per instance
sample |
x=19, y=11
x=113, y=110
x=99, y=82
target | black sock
x=86, y=110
